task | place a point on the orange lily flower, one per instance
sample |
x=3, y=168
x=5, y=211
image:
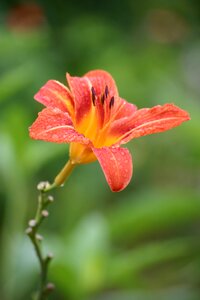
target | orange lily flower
x=92, y=117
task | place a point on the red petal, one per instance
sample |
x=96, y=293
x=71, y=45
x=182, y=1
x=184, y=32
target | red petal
x=125, y=110
x=54, y=125
x=149, y=120
x=100, y=79
x=55, y=94
x=81, y=90
x=117, y=166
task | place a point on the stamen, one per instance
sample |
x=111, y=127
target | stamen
x=112, y=101
x=102, y=99
x=106, y=91
x=93, y=95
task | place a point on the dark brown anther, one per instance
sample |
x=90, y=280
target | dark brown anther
x=93, y=95
x=112, y=101
x=106, y=91
x=102, y=99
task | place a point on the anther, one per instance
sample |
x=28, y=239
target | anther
x=106, y=91
x=102, y=99
x=93, y=95
x=112, y=101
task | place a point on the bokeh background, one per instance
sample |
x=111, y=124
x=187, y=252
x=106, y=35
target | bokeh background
x=142, y=243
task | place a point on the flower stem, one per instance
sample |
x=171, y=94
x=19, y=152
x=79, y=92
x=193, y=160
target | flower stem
x=64, y=173
x=44, y=201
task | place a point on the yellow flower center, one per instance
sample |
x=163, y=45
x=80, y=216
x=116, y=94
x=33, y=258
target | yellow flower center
x=94, y=126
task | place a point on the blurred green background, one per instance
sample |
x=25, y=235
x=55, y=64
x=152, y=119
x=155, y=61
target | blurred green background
x=142, y=243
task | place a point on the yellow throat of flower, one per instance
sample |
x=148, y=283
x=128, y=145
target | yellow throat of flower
x=95, y=128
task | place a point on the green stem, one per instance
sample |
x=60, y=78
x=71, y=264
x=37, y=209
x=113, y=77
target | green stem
x=32, y=231
x=64, y=173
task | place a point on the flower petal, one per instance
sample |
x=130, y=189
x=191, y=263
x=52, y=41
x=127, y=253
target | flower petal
x=81, y=90
x=100, y=79
x=104, y=86
x=117, y=166
x=54, y=125
x=125, y=110
x=55, y=94
x=147, y=121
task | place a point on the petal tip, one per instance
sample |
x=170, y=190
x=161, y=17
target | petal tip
x=117, y=166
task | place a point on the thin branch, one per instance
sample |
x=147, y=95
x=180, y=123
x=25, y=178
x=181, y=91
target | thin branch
x=32, y=231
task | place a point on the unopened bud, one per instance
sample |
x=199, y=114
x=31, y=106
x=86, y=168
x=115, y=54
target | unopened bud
x=39, y=237
x=43, y=185
x=50, y=198
x=32, y=223
x=29, y=230
x=45, y=213
x=50, y=255
x=50, y=287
